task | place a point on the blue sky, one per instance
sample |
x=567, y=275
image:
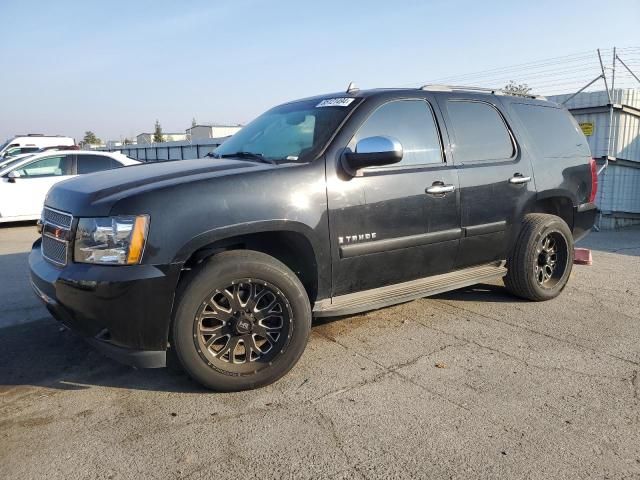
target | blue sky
x=114, y=67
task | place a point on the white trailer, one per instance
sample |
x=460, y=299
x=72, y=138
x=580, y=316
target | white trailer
x=33, y=142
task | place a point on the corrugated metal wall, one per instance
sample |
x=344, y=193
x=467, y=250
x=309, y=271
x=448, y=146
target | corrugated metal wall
x=627, y=137
x=619, y=184
x=626, y=134
x=599, y=140
x=171, y=150
x=622, y=96
x=619, y=189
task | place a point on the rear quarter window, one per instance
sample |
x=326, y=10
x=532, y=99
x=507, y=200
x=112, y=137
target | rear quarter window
x=95, y=163
x=553, y=131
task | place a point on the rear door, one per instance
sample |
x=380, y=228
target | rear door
x=385, y=228
x=495, y=174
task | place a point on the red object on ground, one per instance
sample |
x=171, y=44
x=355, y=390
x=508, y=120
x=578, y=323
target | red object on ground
x=582, y=256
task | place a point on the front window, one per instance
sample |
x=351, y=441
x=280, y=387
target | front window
x=47, y=167
x=295, y=132
x=412, y=123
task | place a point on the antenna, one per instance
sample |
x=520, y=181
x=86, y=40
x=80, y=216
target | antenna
x=352, y=88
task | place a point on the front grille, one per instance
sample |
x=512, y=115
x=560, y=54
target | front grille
x=57, y=218
x=56, y=235
x=54, y=250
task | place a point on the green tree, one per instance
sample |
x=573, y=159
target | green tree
x=513, y=88
x=127, y=141
x=157, y=133
x=90, y=138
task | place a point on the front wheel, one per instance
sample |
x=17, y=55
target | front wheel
x=540, y=264
x=242, y=321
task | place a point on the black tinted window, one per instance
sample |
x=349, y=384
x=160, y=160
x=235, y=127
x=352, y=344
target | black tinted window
x=553, y=131
x=94, y=163
x=480, y=132
x=412, y=123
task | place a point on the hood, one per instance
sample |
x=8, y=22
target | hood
x=95, y=193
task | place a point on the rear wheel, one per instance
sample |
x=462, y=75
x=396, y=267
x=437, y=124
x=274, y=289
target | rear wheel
x=242, y=321
x=542, y=258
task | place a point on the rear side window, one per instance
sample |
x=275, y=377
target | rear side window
x=94, y=163
x=411, y=122
x=553, y=131
x=480, y=132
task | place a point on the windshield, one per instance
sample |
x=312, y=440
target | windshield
x=8, y=162
x=12, y=152
x=294, y=132
x=5, y=144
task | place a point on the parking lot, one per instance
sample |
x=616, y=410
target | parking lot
x=473, y=383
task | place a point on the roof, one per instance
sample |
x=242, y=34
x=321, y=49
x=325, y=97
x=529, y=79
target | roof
x=41, y=135
x=432, y=89
x=121, y=157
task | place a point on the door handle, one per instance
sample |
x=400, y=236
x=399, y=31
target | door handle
x=439, y=188
x=518, y=179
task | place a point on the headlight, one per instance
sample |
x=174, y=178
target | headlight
x=111, y=240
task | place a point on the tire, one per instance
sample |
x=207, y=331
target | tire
x=242, y=321
x=542, y=258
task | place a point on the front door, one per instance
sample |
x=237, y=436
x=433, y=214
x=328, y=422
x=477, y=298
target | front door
x=27, y=192
x=496, y=180
x=385, y=227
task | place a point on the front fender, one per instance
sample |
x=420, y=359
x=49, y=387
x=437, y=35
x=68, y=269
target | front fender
x=230, y=231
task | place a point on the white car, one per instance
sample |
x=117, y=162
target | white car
x=25, y=181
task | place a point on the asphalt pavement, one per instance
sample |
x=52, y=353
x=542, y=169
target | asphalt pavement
x=469, y=384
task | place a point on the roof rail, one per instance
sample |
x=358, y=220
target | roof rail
x=493, y=91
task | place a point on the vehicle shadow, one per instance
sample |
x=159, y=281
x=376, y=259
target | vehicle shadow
x=481, y=292
x=23, y=223
x=42, y=353
x=45, y=354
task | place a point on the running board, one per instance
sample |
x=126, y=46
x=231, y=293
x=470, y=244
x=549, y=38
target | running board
x=404, y=292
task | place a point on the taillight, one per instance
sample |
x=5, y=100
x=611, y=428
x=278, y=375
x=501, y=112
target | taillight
x=594, y=180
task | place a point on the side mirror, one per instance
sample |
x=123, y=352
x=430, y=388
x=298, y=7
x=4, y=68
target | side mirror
x=12, y=176
x=374, y=152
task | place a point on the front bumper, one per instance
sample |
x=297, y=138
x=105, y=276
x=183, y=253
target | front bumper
x=123, y=311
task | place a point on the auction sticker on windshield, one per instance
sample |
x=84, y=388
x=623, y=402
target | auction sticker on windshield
x=335, y=102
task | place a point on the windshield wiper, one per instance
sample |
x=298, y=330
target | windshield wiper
x=249, y=156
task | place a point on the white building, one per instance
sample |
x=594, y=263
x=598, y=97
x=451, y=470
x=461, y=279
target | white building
x=212, y=130
x=147, y=138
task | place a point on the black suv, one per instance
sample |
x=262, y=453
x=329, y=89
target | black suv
x=320, y=207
